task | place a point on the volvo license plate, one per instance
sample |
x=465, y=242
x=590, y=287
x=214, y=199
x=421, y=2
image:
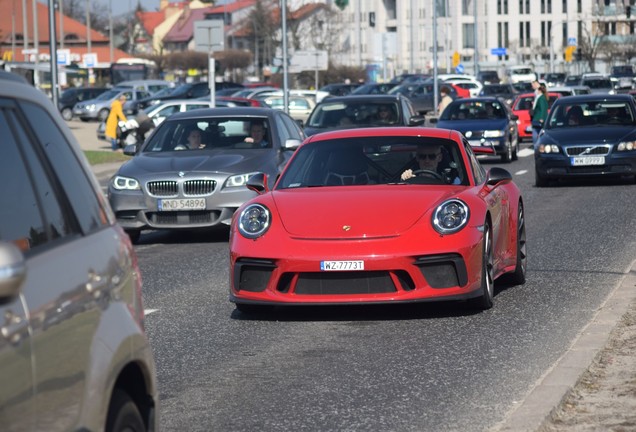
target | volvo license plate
x=341, y=265
x=587, y=160
x=182, y=204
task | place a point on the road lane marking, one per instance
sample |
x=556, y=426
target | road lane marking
x=525, y=152
x=521, y=172
x=149, y=311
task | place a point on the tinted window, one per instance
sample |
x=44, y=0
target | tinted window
x=85, y=202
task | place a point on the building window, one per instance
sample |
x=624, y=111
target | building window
x=565, y=6
x=467, y=8
x=441, y=8
x=565, y=34
x=524, y=34
x=546, y=33
x=502, y=7
x=579, y=6
x=469, y=35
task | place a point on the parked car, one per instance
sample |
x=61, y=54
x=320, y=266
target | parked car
x=299, y=107
x=515, y=74
x=504, y=91
x=572, y=80
x=625, y=77
x=341, y=226
x=472, y=85
x=167, y=185
x=598, y=83
x=152, y=86
x=183, y=91
x=339, y=89
x=422, y=94
x=488, y=77
x=485, y=122
x=571, y=90
x=587, y=136
x=522, y=106
x=75, y=356
x=361, y=111
x=161, y=111
x=69, y=97
x=99, y=108
x=254, y=92
x=373, y=88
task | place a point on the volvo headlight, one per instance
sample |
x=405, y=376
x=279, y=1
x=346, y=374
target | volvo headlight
x=238, y=180
x=254, y=221
x=493, y=134
x=450, y=216
x=125, y=183
x=626, y=146
x=548, y=148
x=90, y=107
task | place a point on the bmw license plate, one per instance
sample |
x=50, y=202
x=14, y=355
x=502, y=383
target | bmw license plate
x=341, y=265
x=587, y=160
x=182, y=204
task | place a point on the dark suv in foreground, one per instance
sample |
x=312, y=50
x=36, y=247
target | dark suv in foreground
x=75, y=356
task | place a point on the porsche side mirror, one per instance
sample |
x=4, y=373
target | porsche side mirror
x=498, y=175
x=257, y=183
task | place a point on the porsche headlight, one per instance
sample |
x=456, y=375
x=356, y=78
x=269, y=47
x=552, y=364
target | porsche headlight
x=254, y=221
x=493, y=134
x=548, y=148
x=626, y=146
x=125, y=183
x=238, y=180
x=450, y=216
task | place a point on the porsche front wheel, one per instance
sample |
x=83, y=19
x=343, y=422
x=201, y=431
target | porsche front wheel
x=518, y=277
x=486, y=299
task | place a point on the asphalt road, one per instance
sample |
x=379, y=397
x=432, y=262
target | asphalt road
x=435, y=367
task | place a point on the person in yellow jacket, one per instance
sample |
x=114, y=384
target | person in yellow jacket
x=116, y=114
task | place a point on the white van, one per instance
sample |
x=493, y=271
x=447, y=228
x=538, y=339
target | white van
x=515, y=74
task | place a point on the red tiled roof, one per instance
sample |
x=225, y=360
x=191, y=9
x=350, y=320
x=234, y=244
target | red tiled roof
x=150, y=20
x=232, y=7
x=12, y=10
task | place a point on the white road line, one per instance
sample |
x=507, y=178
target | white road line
x=149, y=311
x=521, y=172
x=525, y=152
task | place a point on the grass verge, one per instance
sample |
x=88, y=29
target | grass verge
x=96, y=157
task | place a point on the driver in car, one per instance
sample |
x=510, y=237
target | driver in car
x=428, y=159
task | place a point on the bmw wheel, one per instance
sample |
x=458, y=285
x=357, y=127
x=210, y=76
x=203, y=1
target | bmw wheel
x=123, y=414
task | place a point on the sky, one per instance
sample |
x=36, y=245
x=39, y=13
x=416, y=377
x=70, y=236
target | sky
x=123, y=6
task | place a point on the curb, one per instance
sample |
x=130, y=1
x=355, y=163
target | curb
x=556, y=383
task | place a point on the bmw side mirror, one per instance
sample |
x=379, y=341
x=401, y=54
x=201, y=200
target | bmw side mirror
x=498, y=175
x=130, y=149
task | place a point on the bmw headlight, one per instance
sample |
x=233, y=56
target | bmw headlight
x=548, y=148
x=450, y=216
x=125, y=183
x=254, y=221
x=238, y=180
x=493, y=134
x=626, y=146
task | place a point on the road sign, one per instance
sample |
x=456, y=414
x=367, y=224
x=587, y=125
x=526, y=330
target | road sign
x=498, y=51
x=64, y=57
x=209, y=35
x=456, y=59
x=89, y=60
x=308, y=61
x=571, y=41
x=459, y=68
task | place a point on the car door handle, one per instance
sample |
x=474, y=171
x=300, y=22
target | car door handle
x=14, y=328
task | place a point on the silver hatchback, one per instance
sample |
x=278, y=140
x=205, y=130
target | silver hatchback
x=74, y=353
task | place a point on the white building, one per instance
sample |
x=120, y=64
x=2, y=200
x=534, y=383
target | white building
x=397, y=35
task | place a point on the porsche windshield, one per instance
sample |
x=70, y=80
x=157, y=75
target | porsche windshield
x=373, y=161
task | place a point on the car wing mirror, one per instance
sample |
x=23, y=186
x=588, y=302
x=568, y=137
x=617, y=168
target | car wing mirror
x=514, y=117
x=498, y=175
x=130, y=149
x=12, y=271
x=433, y=120
x=291, y=144
x=257, y=183
x=300, y=123
x=417, y=120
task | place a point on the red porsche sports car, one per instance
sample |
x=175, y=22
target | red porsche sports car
x=382, y=215
x=521, y=107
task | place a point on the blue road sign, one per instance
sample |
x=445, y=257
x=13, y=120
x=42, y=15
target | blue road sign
x=571, y=41
x=459, y=69
x=498, y=51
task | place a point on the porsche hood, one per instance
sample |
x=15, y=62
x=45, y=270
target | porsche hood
x=357, y=212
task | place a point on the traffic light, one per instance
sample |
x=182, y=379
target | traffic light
x=456, y=59
x=568, y=54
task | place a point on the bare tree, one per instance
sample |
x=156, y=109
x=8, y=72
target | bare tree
x=592, y=43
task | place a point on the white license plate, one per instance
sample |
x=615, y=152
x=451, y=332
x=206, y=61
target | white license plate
x=341, y=265
x=587, y=160
x=475, y=143
x=181, y=204
x=529, y=129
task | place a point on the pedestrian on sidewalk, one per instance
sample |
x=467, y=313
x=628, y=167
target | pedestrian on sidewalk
x=116, y=114
x=539, y=111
